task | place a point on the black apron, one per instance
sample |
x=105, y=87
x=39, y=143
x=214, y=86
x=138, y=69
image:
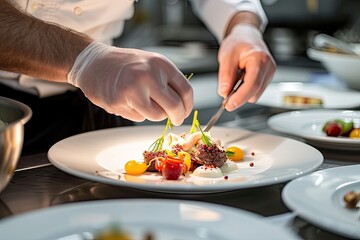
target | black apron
x=57, y=117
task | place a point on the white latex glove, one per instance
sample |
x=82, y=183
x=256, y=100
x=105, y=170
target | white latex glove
x=134, y=84
x=244, y=48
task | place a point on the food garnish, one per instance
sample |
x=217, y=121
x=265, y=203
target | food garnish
x=195, y=121
x=158, y=144
x=189, y=77
x=195, y=152
x=185, y=156
x=342, y=128
x=172, y=168
x=355, y=133
x=117, y=233
x=112, y=233
x=234, y=153
x=302, y=100
x=135, y=168
x=196, y=125
x=156, y=151
x=351, y=199
x=206, y=139
x=332, y=129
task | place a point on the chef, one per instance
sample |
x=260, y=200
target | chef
x=53, y=53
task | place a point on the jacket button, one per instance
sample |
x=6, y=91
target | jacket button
x=36, y=5
x=78, y=11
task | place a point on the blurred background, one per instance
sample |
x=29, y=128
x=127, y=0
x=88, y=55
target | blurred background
x=170, y=27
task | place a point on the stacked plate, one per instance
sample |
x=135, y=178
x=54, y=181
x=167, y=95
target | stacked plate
x=308, y=125
x=319, y=198
x=333, y=95
x=137, y=218
x=101, y=155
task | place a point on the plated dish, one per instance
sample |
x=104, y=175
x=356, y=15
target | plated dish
x=277, y=95
x=101, y=156
x=319, y=198
x=163, y=219
x=308, y=124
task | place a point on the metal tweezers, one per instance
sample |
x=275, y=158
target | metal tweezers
x=217, y=115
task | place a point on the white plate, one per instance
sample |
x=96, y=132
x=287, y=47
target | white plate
x=308, y=124
x=332, y=97
x=166, y=219
x=318, y=198
x=101, y=155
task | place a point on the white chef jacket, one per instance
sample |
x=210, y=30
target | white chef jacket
x=104, y=20
x=216, y=14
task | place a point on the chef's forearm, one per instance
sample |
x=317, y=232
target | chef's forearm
x=33, y=47
x=243, y=17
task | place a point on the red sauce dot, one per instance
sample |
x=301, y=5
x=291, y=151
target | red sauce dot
x=252, y=153
x=226, y=177
x=251, y=164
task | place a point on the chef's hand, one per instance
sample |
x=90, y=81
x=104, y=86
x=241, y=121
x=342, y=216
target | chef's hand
x=244, y=48
x=134, y=84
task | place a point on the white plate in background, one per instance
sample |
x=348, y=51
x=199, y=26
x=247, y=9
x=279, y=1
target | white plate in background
x=165, y=219
x=332, y=97
x=101, y=155
x=318, y=198
x=308, y=124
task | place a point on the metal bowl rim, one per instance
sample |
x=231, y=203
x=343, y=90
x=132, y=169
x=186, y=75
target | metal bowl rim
x=26, y=110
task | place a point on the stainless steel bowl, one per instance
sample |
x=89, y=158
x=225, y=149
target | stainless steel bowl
x=14, y=115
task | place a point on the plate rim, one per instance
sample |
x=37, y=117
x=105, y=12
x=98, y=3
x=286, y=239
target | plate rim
x=95, y=206
x=189, y=189
x=320, y=55
x=348, y=144
x=330, y=224
x=276, y=85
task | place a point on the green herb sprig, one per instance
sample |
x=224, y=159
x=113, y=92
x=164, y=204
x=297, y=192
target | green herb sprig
x=189, y=77
x=229, y=153
x=205, y=138
x=194, y=122
x=196, y=125
x=158, y=144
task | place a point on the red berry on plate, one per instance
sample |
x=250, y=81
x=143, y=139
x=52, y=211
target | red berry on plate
x=172, y=168
x=332, y=129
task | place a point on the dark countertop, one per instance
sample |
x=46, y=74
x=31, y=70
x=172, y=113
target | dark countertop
x=38, y=184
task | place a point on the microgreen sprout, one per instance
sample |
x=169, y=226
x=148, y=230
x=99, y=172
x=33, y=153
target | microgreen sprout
x=158, y=144
x=205, y=138
x=196, y=125
x=194, y=122
x=189, y=77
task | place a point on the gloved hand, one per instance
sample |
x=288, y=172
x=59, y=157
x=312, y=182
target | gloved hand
x=134, y=84
x=244, y=48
